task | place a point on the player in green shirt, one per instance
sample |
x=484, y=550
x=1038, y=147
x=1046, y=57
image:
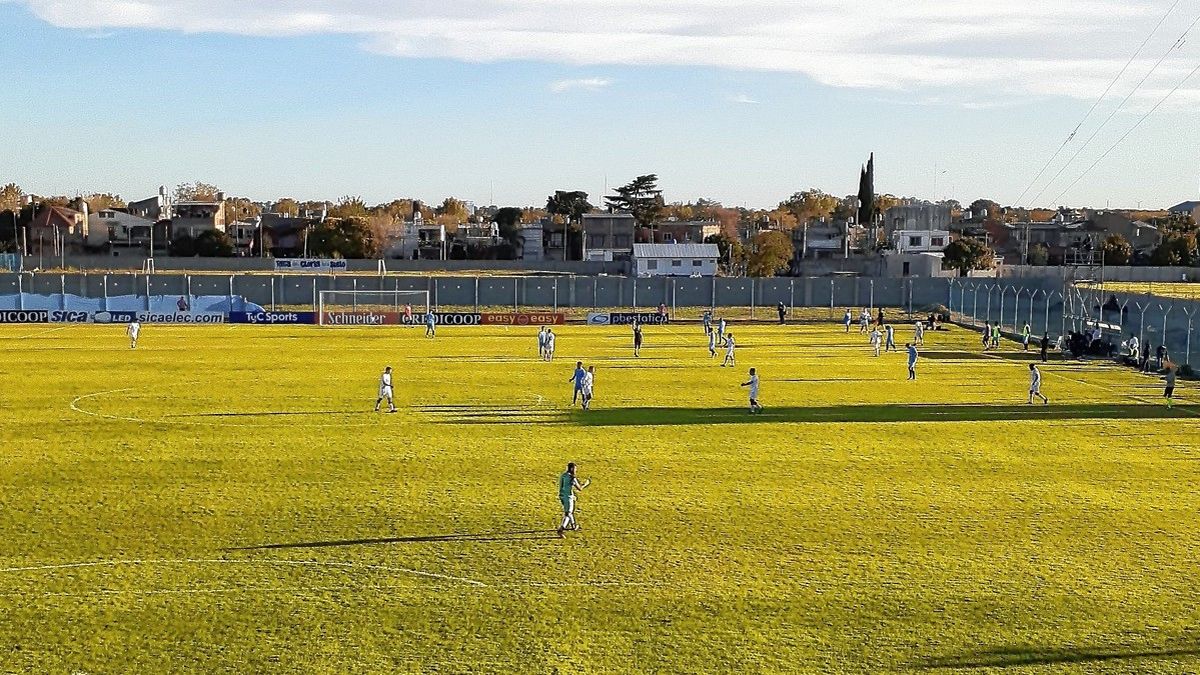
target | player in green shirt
x=568, y=484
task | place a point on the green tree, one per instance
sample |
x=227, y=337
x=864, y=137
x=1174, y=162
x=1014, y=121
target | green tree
x=731, y=251
x=772, y=253
x=571, y=205
x=1039, y=254
x=214, y=244
x=196, y=192
x=454, y=210
x=641, y=198
x=1117, y=250
x=182, y=246
x=1176, y=249
x=345, y=238
x=507, y=219
x=967, y=254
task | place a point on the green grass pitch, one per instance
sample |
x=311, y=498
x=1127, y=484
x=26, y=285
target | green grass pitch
x=222, y=499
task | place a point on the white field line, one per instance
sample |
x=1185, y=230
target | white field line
x=43, y=332
x=1118, y=392
x=75, y=406
x=219, y=561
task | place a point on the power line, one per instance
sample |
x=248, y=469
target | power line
x=1131, y=130
x=1096, y=104
x=1178, y=43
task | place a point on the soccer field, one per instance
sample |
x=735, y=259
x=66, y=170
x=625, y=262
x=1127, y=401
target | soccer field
x=223, y=499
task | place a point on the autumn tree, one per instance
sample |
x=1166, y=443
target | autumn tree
x=1039, y=254
x=453, y=210
x=772, y=253
x=967, y=254
x=810, y=204
x=11, y=197
x=1117, y=250
x=641, y=198
x=984, y=209
x=103, y=200
x=196, y=192
x=349, y=207
x=287, y=207
x=241, y=208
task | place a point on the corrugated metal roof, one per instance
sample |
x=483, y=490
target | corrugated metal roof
x=676, y=251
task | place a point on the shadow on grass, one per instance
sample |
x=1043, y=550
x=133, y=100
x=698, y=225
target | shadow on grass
x=1034, y=656
x=519, y=535
x=602, y=417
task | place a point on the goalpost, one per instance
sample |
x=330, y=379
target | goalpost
x=370, y=308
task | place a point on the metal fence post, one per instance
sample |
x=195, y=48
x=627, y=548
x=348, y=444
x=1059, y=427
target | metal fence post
x=477, y=294
x=105, y=301
x=872, y=297
x=556, y=295
x=792, y=299
x=635, y=295
x=674, y=295
x=751, y=297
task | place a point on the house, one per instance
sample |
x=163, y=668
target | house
x=118, y=228
x=825, y=239
x=187, y=217
x=54, y=227
x=285, y=234
x=530, y=242
x=1143, y=236
x=608, y=236
x=675, y=260
x=1187, y=208
x=685, y=231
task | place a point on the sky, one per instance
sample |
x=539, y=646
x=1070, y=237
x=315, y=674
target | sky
x=505, y=101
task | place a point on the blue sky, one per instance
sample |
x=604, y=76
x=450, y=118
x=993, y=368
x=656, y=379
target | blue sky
x=321, y=98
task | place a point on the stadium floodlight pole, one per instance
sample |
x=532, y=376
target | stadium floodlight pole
x=1166, y=314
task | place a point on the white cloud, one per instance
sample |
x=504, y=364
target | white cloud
x=586, y=84
x=951, y=49
x=743, y=99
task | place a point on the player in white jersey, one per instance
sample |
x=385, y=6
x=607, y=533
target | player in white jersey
x=876, y=340
x=712, y=343
x=549, y=344
x=589, y=381
x=864, y=319
x=721, y=330
x=1035, y=385
x=542, y=343
x=729, y=346
x=919, y=334
x=132, y=331
x=753, y=384
x=385, y=390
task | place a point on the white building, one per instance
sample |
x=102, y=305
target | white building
x=920, y=241
x=675, y=260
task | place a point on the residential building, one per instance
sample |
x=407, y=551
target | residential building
x=919, y=241
x=686, y=231
x=286, y=234
x=825, y=239
x=118, y=229
x=555, y=239
x=1187, y=208
x=1143, y=236
x=608, y=236
x=916, y=217
x=675, y=260
x=187, y=217
x=530, y=242
x=55, y=227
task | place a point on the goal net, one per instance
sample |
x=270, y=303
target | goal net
x=371, y=308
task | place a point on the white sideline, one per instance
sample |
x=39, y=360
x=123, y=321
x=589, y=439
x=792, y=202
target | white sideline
x=221, y=561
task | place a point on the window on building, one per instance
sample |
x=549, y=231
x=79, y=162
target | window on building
x=556, y=239
x=651, y=264
x=676, y=263
x=595, y=241
x=914, y=241
x=697, y=263
x=621, y=241
x=937, y=241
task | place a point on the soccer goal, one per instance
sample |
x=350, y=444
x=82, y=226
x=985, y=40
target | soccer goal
x=371, y=308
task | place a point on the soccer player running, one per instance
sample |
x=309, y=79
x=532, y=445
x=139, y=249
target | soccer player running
x=577, y=378
x=1035, y=385
x=430, y=324
x=637, y=339
x=912, y=361
x=755, y=406
x=568, y=485
x=589, y=382
x=729, y=346
x=385, y=390
x=132, y=330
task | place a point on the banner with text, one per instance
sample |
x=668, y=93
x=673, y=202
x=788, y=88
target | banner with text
x=24, y=316
x=310, y=265
x=626, y=318
x=273, y=317
x=523, y=318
